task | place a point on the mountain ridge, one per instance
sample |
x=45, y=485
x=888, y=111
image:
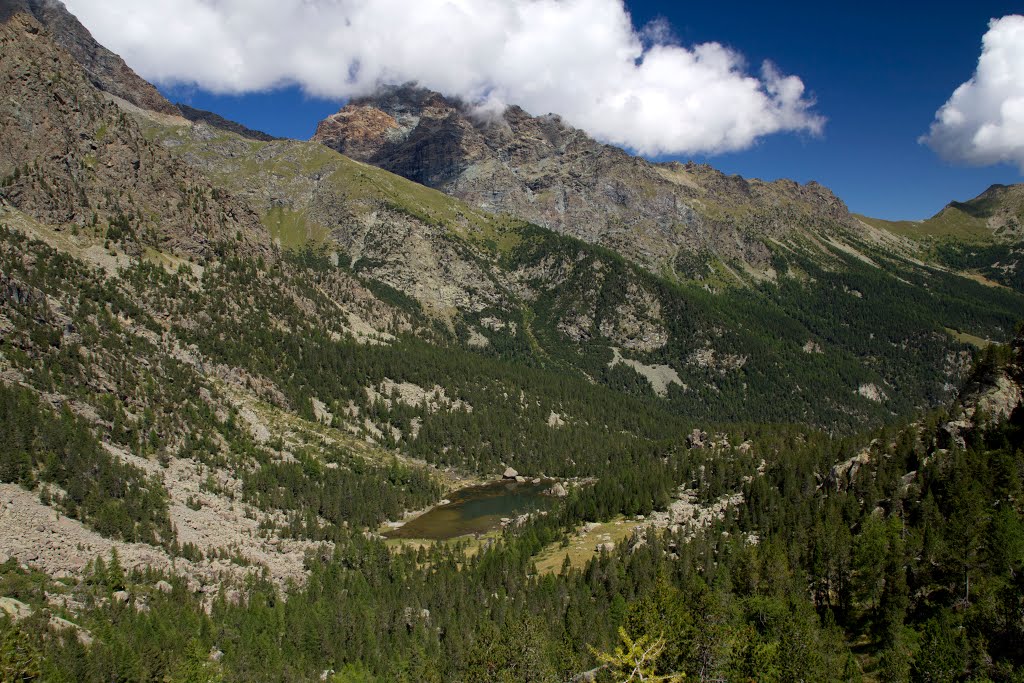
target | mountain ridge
x=70, y=155
x=544, y=171
x=106, y=70
x=994, y=215
x=217, y=121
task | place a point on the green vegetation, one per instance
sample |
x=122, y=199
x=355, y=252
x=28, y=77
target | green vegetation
x=873, y=576
x=971, y=339
x=291, y=230
x=354, y=189
x=950, y=223
x=844, y=581
x=855, y=523
x=1002, y=263
x=73, y=326
x=980, y=237
x=861, y=317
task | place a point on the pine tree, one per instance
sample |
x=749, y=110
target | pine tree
x=20, y=658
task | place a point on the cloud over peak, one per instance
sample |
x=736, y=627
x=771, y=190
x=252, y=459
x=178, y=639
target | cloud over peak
x=582, y=59
x=983, y=121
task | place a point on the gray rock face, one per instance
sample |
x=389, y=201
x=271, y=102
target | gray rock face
x=542, y=170
x=696, y=439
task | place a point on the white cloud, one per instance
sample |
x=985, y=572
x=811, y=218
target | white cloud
x=582, y=59
x=983, y=122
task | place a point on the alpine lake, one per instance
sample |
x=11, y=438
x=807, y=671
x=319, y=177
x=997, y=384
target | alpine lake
x=476, y=510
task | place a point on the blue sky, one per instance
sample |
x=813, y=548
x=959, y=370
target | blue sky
x=878, y=72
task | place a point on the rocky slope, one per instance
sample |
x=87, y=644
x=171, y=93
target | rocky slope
x=106, y=70
x=544, y=171
x=713, y=337
x=110, y=253
x=766, y=250
x=260, y=385
x=69, y=155
x=194, y=417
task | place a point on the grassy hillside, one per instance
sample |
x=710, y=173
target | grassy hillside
x=997, y=214
x=950, y=223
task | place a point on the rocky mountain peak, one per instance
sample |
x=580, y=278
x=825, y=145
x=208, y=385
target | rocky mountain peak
x=545, y=171
x=360, y=130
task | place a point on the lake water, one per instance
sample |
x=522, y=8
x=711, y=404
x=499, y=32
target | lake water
x=476, y=509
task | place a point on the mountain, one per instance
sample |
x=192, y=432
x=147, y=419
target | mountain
x=982, y=237
x=997, y=214
x=113, y=255
x=229, y=364
x=544, y=171
x=70, y=156
x=720, y=341
x=106, y=70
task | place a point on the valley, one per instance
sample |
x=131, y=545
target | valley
x=430, y=397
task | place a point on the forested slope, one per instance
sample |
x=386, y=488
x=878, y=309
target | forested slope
x=225, y=362
x=898, y=560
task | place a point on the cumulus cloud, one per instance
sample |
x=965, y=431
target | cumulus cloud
x=983, y=122
x=583, y=59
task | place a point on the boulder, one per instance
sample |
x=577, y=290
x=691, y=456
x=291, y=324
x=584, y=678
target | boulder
x=696, y=438
x=164, y=587
x=952, y=434
x=842, y=474
x=121, y=597
x=510, y=473
x=558, y=491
